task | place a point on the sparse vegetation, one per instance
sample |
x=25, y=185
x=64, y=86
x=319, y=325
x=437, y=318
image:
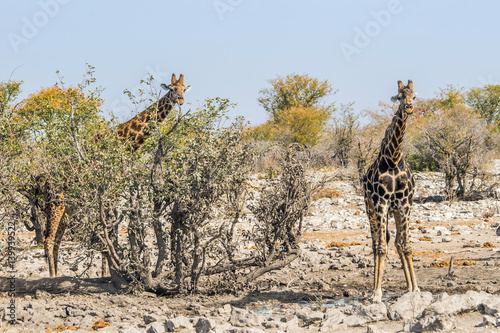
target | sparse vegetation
x=165, y=217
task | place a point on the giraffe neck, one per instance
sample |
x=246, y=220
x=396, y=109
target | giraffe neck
x=137, y=127
x=165, y=105
x=391, y=145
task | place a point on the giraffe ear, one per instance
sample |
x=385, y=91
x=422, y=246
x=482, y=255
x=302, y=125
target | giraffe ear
x=164, y=86
x=187, y=88
x=394, y=99
x=401, y=86
x=174, y=80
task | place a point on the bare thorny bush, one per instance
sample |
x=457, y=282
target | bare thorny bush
x=457, y=140
x=194, y=200
x=279, y=212
x=169, y=216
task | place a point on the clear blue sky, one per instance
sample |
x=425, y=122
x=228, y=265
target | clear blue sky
x=230, y=48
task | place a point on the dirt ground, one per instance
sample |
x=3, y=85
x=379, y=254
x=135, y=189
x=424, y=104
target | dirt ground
x=335, y=268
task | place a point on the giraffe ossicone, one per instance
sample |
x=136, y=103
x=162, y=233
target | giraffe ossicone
x=135, y=130
x=388, y=188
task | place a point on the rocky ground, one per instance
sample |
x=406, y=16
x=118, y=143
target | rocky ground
x=328, y=289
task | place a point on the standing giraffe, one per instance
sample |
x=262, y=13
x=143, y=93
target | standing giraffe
x=136, y=129
x=388, y=186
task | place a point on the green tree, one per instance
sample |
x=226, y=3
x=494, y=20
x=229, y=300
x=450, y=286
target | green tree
x=486, y=101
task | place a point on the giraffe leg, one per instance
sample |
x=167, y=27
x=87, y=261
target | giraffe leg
x=48, y=244
x=58, y=238
x=404, y=249
x=54, y=214
x=380, y=252
x=378, y=225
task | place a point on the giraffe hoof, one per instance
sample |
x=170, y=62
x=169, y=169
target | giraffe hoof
x=377, y=297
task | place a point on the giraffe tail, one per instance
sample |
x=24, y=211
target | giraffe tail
x=387, y=233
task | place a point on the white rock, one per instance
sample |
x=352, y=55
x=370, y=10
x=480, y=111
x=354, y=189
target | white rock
x=356, y=320
x=334, y=312
x=177, y=323
x=204, y=325
x=451, y=305
x=292, y=325
x=157, y=327
x=409, y=306
x=372, y=312
x=489, y=321
x=433, y=324
x=244, y=318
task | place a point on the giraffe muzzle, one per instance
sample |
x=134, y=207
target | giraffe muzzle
x=409, y=108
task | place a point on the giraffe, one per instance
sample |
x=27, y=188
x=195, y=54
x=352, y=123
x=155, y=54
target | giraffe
x=388, y=187
x=135, y=130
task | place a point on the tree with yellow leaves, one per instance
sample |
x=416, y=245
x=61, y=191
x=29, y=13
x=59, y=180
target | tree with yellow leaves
x=295, y=106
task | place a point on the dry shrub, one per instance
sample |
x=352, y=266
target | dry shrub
x=267, y=158
x=327, y=192
x=488, y=245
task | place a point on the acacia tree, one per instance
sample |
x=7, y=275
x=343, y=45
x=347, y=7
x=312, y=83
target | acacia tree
x=295, y=105
x=294, y=90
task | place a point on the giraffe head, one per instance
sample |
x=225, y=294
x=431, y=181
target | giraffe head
x=405, y=96
x=177, y=88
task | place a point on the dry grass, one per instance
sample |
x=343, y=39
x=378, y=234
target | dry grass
x=327, y=192
x=99, y=324
x=466, y=263
x=446, y=263
x=440, y=264
x=425, y=239
x=488, y=245
x=340, y=244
